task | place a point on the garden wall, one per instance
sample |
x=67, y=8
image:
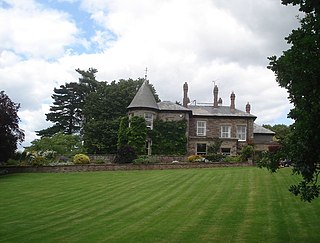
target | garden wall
x=113, y=167
x=109, y=158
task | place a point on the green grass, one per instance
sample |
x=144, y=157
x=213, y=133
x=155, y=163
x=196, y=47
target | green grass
x=196, y=205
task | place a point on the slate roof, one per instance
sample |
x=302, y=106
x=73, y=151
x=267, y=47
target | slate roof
x=261, y=130
x=170, y=106
x=220, y=111
x=144, y=98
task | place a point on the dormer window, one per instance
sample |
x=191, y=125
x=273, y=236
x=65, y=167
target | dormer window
x=149, y=120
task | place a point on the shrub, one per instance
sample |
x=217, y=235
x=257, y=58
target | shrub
x=62, y=159
x=195, y=158
x=141, y=160
x=233, y=159
x=125, y=154
x=38, y=160
x=81, y=159
x=215, y=157
x=246, y=152
x=12, y=162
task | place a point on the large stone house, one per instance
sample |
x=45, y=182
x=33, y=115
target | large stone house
x=205, y=123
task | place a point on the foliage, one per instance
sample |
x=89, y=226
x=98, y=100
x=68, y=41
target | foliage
x=246, y=152
x=213, y=151
x=38, y=160
x=81, y=159
x=215, y=157
x=122, y=133
x=137, y=134
x=270, y=159
x=233, y=159
x=125, y=154
x=103, y=110
x=298, y=70
x=169, y=137
x=61, y=144
x=214, y=147
x=67, y=110
x=281, y=131
x=141, y=160
x=10, y=133
x=195, y=158
x=13, y=162
x=101, y=136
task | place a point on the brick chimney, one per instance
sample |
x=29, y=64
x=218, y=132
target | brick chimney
x=215, y=96
x=248, y=108
x=185, y=100
x=232, y=105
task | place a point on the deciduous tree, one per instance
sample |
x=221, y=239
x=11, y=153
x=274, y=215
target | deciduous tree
x=10, y=133
x=103, y=111
x=298, y=70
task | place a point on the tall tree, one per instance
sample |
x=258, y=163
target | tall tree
x=10, y=133
x=69, y=99
x=103, y=110
x=65, y=111
x=298, y=70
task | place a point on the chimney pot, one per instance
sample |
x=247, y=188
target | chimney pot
x=185, y=100
x=248, y=108
x=232, y=105
x=215, y=96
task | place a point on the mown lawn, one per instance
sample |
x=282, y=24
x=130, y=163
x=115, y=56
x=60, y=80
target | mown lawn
x=195, y=205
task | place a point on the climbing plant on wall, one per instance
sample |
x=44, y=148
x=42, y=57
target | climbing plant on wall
x=137, y=134
x=169, y=137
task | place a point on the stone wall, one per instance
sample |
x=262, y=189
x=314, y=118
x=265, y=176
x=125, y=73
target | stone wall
x=113, y=167
x=109, y=158
x=213, y=130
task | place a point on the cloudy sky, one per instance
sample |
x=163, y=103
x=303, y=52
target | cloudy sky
x=199, y=41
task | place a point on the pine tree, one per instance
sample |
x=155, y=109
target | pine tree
x=67, y=110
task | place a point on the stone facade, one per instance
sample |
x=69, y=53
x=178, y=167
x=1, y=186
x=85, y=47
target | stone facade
x=237, y=126
x=213, y=131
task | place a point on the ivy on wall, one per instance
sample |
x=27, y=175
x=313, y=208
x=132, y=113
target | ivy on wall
x=137, y=134
x=169, y=137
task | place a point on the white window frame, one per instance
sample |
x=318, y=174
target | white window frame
x=242, y=132
x=149, y=119
x=201, y=128
x=225, y=131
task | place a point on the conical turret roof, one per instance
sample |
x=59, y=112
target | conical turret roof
x=144, y=98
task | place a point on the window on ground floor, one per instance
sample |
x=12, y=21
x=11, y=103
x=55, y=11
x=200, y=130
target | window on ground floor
x=226, y=151
x=201, y=148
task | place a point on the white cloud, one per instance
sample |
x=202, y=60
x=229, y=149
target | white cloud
x=33, y=120
x=178, y=40
x=32, y=31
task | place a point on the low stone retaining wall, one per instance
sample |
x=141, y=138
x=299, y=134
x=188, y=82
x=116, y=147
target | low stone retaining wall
x=109, y=158
x=113, y=167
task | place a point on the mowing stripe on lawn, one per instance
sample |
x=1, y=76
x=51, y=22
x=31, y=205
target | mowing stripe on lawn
x=196, y=205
